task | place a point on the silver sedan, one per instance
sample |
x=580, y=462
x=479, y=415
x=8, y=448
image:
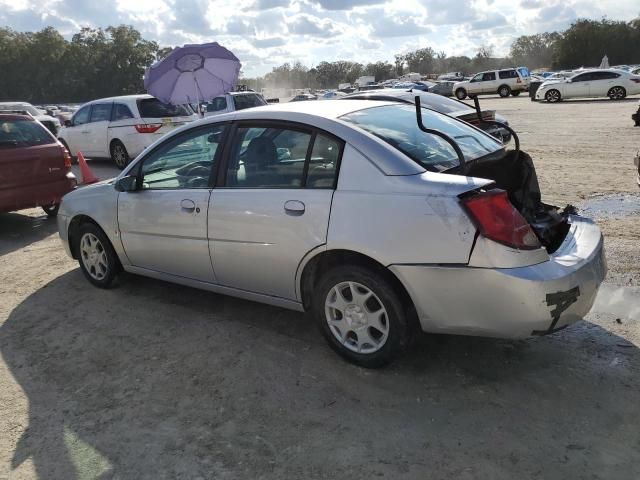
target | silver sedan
x=379, y=218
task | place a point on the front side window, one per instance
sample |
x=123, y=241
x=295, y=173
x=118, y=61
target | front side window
x=489, y=76
x=267, y=158
x=505, y=74
x=218, y=104
x=478, y=77
x=185, y=161
x=101, y=112
x=248, y=101
x=82, y=116
x=584, y=77
x=397, y=125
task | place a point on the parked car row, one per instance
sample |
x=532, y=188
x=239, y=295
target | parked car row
x=52, y=123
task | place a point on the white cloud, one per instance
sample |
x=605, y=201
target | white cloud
x=265, y=33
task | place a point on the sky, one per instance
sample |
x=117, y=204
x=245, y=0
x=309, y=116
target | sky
x=268, y=33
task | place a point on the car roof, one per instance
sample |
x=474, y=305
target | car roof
x=330, y=109
x=120, y=98
x=15, y=116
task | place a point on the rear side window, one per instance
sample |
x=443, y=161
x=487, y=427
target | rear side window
x=248, y=101
x=505, y=74
x=101, y=112
x=154, y=108
x=23, y=133
x=121, y=112
x=487, y=77
x=323, y=163
x=604, y=75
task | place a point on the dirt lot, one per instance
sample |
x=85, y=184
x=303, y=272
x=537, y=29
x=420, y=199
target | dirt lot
x=156, y=381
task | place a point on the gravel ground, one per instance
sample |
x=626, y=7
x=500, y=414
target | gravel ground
x=156, y=381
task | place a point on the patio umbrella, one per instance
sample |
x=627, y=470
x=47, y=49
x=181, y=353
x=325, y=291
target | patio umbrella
x=193, y=74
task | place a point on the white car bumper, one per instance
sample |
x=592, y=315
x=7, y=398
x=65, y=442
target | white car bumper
x=511, y=302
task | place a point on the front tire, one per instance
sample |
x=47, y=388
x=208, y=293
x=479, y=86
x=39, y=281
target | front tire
x=119, y=154
x=617, y=93
x=98, y=260
x=461, y=94
x=361, y=315
x=552, y=96
x=504, y=91
x=51, y=210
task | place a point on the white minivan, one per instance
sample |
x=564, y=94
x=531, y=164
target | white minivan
x=120, y=128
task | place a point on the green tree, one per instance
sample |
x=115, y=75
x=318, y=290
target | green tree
x=535, y=51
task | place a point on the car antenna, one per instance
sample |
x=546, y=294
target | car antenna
x=516, y=139
x=445, y=137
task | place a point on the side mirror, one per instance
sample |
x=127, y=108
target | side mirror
x=67, y=123
x=127, y=184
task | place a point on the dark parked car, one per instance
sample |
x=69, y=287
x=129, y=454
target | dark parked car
x=441, y=104
x=303, y=97
x=34, y=167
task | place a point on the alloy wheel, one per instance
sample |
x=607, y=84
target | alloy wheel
x=356, y=317
x=617, y=93
x=94, y=256
x=553, y=96
x=119, y=155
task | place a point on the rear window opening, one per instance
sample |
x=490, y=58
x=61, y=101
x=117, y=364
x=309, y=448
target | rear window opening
x=242, y=102
x=154, y=108
x=23, y=133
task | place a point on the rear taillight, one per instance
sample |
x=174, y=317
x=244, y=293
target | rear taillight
x=497, y=219
x=635, y=80
x=67, y=158
x=148, y=127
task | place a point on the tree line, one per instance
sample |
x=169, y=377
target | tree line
x=43, y=67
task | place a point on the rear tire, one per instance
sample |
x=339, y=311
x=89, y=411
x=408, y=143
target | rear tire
x=504, y=91
x=461, y=94
x=51, y=210
x=617, y=93
x=553, y=96
x=96, y=256
x=361, y=315
x=119, y=154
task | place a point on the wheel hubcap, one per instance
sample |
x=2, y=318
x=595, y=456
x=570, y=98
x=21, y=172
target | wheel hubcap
x=94, y=257
x=119, y=155
x=356, y=317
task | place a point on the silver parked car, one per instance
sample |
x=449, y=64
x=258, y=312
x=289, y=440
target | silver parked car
x=352, y=210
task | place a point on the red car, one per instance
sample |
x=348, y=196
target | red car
x=35, y=169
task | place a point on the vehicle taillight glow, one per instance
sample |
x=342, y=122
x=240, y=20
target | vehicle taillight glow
x=67, y=158
x=497, y=219
x=148, y=127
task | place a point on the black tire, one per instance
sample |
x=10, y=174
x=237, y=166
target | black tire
x=461, y=94
x=553, y=96
x=74, y=159
x=617, y=93
x=113, y=266
x=397, y=319
x=119, y=154
x=51, y=210
x=515, y=93
x=504, y=91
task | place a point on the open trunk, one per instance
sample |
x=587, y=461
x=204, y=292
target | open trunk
x=516, y=174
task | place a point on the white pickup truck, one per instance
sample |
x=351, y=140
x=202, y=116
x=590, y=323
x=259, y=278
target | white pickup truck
x=232, y=101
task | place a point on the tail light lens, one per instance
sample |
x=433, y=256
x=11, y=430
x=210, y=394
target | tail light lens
x=518, y=80
x=497, y=219
x=148, y=127
x=635, y=80
x=67, y=158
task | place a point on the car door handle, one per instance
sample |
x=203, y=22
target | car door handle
x=188, y=205
x=85, y=131
x=295, y=208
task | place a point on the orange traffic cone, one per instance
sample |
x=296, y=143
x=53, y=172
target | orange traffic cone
x=85, y=171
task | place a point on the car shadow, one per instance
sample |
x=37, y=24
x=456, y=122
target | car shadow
x=632, y=100
x=153, y=380
x=18, y=230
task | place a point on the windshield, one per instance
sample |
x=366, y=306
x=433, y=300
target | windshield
x=397, y=125
x=248, y=101
x=154, y=108
x=23, y=133
x=21, y=107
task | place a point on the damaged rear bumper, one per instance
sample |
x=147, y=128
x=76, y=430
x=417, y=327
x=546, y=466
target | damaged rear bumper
x=511, y=302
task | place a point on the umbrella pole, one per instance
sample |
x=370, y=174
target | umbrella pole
x=195, y=84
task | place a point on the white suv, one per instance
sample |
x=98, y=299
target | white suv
x=120, y=128
x=504, y=82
